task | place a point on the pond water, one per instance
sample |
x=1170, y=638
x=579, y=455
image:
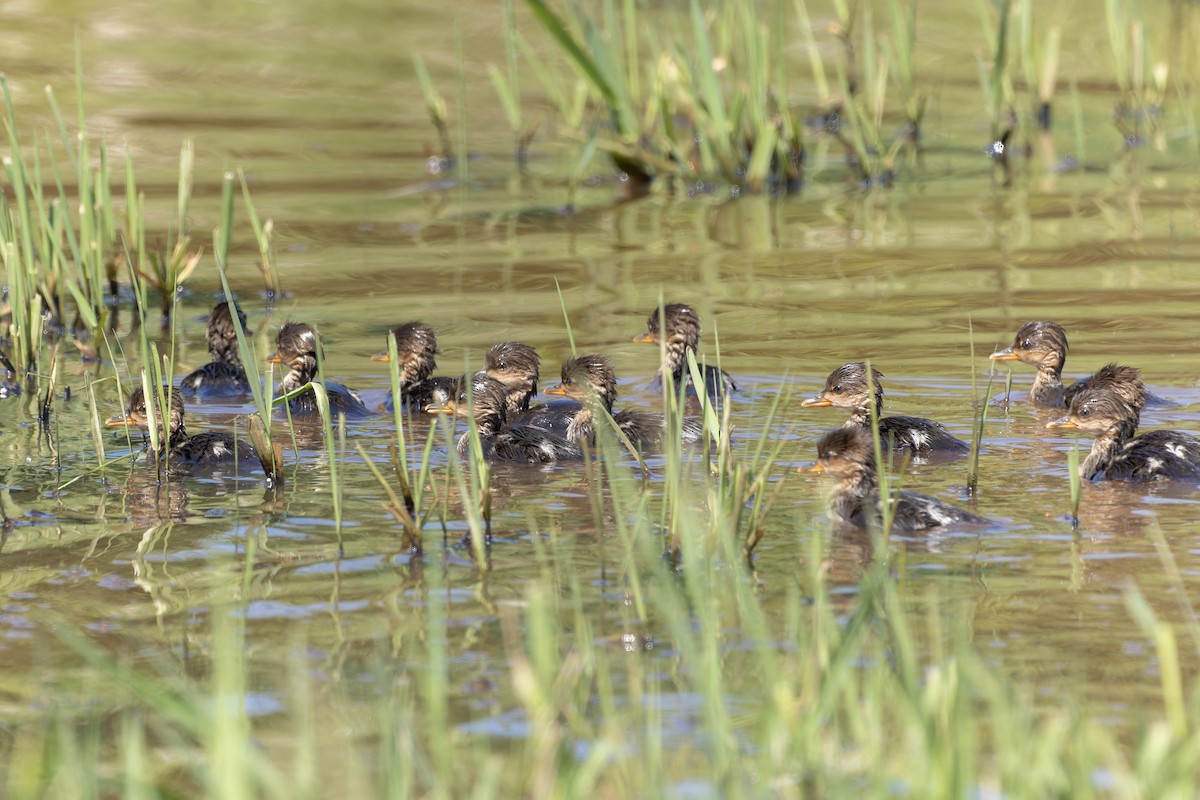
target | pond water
x=319, y=105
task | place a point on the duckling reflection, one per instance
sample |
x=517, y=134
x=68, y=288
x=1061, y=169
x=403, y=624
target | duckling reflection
x=848, y=454
x=848, y=387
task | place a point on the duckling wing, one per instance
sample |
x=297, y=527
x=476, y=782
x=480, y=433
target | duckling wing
x=1158, y=455
x=554, y=416
x=345, y=401
x=915, y=512
x=212, y=449
x=531, y=445
x=918, y=435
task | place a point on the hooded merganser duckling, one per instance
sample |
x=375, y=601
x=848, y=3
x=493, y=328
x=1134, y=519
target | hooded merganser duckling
x=416, y=350
x=297, y=346
x=516, y=366
x=847, y=387
x=223, y=375
x=682, y=326
x=848, y=454
x=1108, y=405
x=211, y=448
x=592, y=377
x=502, y=441
x=1043, y=346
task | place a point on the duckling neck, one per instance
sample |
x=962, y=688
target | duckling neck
x=304, y=370
x=850, y=493
x=177, y=439
x=1106, y=448
x=582, y=427
x=1047, y=386
x=860, y=417
x=224, y=351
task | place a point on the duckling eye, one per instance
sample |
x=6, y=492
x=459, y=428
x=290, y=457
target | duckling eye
x=1085, y=411
x=837, y=388
x=1025, y=345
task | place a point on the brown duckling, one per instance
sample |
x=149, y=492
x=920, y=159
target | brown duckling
x=416, y=351
x=1108, y=405
x=517, y=366
x=682, y=326
x=1043, y=346
x=223, y=375
x=211, y=448
x=847, y=387
x=501, y=440
x=848, y=454
x=592, y=378
x=297, y=346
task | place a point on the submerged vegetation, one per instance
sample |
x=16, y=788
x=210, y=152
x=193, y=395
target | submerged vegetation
x=672, y=669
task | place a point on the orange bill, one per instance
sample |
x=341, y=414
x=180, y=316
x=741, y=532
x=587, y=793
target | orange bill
x=811, y=468
x=646, y=338
x=119, y=421
x=560, y=391
x=445, y=408
x=816, y=402
x=274, y=359
x=1006, y=354
x=1063, y=423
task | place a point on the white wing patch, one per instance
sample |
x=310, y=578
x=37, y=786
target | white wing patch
x=918, y=438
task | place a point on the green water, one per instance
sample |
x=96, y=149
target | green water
x=319, y=105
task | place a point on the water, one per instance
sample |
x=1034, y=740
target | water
x=319, y=106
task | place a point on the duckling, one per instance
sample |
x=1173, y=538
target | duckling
x=589, y=377
x=224, y=375
x=1108, y=405
x=682, y=326
x=1043, y=345
x=516, y=366
x=848, y=454
x=416, y=350
x=847, y=387
x=502, y=441
x=297, y=345
x=208, y=449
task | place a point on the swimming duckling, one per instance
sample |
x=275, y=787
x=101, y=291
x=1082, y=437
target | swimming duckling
x=682, y=326
x=208, y=449
x=1043, y=346
x=297, y=345
x=848, y=454
x=591, y=377
x=1108, y=405
x=847, y=387
x=501, y=440
x=416, y=351
x=223, y=375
